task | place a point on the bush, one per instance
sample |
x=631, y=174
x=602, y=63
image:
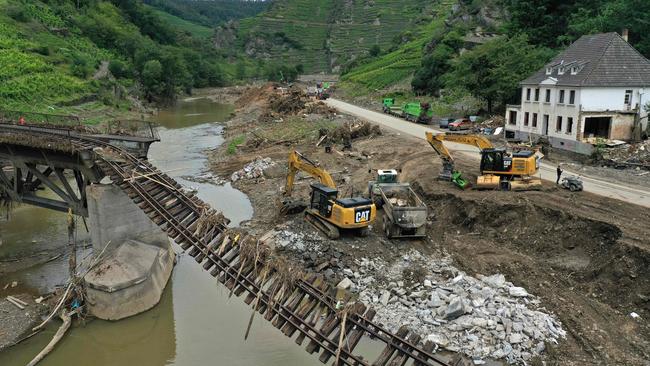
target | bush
x=81, y=66
x=120, y=69
x=17, y=13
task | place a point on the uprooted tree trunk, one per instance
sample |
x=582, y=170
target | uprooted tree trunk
x=66, y=317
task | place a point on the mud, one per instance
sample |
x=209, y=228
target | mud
x=586, y=257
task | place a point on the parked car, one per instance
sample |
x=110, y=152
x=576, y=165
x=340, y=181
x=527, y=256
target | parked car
x=460, y=124
x=444, y=122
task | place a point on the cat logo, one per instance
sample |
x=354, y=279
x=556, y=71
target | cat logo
x=362, y=215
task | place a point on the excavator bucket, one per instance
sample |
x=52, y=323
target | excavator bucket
x=459, y=181
x=488, y=182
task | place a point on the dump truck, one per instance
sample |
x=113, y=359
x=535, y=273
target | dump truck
x=388, y=106
x=405, y=214
x=417, y=112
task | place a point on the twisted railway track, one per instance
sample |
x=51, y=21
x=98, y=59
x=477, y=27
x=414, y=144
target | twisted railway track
x=295, y=303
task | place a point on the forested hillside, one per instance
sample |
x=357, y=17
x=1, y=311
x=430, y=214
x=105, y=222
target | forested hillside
x=100, y=54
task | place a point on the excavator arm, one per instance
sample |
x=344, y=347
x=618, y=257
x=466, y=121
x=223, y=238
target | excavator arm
x=298, y=162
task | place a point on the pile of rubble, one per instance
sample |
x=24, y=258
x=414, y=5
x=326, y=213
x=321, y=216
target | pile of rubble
x=482, y=317
x=634, y=154
x=253, y=170
x=352, y=130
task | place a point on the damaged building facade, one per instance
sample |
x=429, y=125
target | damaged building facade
x=594, y=91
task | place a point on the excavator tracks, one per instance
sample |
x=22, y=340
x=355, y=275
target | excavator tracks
x=328, y=229
x=302, y=306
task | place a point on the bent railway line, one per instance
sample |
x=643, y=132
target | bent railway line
x=295, y=303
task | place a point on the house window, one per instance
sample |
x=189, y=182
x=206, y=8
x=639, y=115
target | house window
x=558, y=124
x=561, y=96
x=526, y=119
x=572, y=97
x=548, y=96
x=549, y=70
x=569, y=124
x=537, y=94
x=628, y=97
x=528, y=94
x=560, y=71
x=534, y=119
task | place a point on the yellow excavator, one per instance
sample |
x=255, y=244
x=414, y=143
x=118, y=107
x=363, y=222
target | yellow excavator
x=326, y=211
x=515, y=171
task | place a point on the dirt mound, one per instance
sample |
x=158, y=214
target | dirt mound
x=256, y=96
x=589, y=250
x=353, y=130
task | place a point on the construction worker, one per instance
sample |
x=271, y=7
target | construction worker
x=559, y=174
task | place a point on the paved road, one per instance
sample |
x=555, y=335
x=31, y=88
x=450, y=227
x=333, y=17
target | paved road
x=591, y=184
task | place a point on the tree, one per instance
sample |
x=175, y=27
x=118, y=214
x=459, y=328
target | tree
x=614, y=16
x=152, y=78
x=492, y=71
x=374, y=51
x=428, y=77
x=544, y=21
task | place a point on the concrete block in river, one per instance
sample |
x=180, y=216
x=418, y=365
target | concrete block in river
x=128, y=281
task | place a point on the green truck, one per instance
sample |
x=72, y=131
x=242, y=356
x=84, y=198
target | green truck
x=388, y=106
x=417, y=112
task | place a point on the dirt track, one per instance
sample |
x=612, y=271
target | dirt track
x=586, y=256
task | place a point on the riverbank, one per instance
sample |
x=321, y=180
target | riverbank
x=581, y=260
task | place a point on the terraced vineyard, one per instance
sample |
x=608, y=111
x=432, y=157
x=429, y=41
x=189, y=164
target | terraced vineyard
x=322, y=35
x=401, y=63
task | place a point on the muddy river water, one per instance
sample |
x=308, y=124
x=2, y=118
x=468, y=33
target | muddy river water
x=195, y=322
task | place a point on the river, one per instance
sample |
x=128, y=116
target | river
x=195, y=323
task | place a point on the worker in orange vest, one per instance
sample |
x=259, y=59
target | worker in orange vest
x=21, y=121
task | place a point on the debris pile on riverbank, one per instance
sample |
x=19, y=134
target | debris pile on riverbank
x=252, y=170
x=482, y=317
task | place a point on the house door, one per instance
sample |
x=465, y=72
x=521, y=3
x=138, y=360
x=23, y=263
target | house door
x=545, y=125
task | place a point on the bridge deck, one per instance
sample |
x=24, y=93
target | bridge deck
x=295, y=303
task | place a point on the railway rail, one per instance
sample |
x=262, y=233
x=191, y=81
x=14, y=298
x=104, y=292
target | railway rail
x=295, y=303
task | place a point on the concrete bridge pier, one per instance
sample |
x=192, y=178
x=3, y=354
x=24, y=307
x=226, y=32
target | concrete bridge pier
x=138, y=257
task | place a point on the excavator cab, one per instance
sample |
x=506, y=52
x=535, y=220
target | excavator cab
x=322, y=198
x=495, y=160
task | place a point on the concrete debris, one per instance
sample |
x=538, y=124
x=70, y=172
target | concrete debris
x=483, y=317
x=253, y=170
x=517, y=291
x=344, y=284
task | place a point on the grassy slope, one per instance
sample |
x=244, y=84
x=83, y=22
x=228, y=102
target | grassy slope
x=35, y=71
x=184, y=25
x=400, y=64
x=345, y=29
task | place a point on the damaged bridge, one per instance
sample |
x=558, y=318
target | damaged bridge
x=302, y=306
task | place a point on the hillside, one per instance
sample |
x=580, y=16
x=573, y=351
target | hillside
x=105, y=57
x=324, y=35
x=473, y=53
x=209, y=13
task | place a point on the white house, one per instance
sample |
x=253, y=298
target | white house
x=596, y=88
